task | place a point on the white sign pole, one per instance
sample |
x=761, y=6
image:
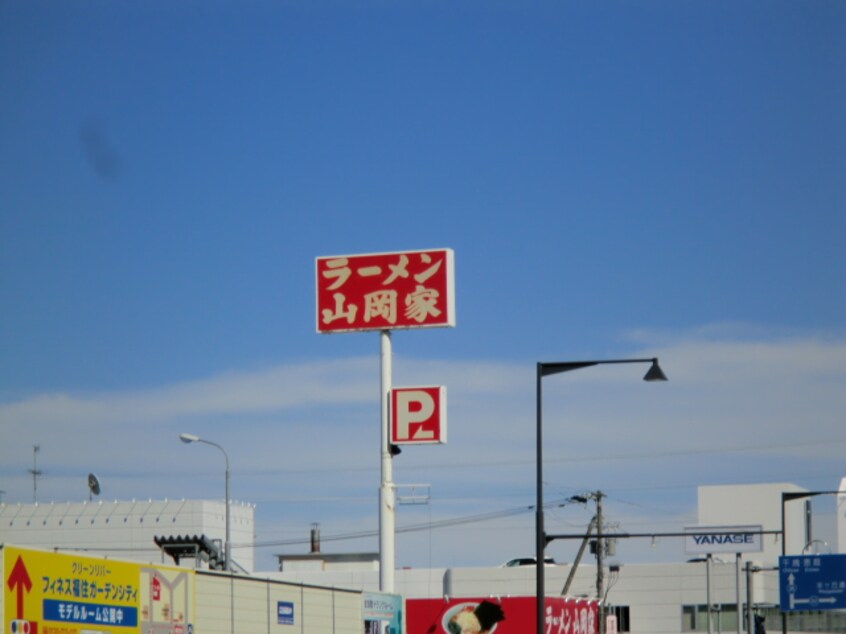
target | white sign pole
x=387, y=518
x=708, y=589
x=739, y=607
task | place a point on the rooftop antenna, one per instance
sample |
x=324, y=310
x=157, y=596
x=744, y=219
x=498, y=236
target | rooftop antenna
x=93, y=486
x=35, y=473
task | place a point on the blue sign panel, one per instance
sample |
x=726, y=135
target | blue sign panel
x=812, y=582
x=284, y=613
x=90, y=613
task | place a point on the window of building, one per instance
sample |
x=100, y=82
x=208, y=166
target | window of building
x=621, y=612
x=724, y=619
x=822, y=621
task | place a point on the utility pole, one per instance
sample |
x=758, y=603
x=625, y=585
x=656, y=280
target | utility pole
x=578, y=558
x=600, y=563
x=35, y=472
x=599, y=547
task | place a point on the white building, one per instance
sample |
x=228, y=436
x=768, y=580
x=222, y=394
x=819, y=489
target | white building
x=126, y=530
x=646, y=598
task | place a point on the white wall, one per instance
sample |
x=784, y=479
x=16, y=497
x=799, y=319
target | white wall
x=125, y=529
x=841, y=517
x=655, y=593
x=755, y=504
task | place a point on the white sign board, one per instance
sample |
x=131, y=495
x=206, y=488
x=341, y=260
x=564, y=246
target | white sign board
x=704, y=540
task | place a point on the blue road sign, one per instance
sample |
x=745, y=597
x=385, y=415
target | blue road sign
x=812, y=582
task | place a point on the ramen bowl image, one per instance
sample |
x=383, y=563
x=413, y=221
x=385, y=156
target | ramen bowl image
x=472, y=618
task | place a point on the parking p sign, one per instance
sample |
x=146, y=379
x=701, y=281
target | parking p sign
x=418, y=415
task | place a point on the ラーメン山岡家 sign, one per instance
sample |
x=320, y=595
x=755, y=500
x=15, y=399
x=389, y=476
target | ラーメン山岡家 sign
x=385, y=291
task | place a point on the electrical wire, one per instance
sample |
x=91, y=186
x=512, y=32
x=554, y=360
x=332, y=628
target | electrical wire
x=430, y=525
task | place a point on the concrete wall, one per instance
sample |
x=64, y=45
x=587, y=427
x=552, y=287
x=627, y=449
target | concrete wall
x=317, y=610
x=214, y=602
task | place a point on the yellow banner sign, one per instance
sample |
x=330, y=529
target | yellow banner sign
x=53, y=593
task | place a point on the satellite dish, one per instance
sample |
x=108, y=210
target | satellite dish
x=93, y=485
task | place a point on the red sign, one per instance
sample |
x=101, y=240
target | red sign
x=418, y=415
x=506, y=615
x=385, y=291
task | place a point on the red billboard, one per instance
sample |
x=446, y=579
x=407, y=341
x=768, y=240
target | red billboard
x=506, y=615
x=385, y=291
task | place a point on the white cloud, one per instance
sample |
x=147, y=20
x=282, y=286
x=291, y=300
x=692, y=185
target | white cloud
x=304, y=438
x=273, y=389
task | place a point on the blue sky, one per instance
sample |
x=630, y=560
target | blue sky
x=616, y=179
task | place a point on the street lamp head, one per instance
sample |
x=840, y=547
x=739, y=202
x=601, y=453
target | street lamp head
x=189, y=438
x=655, y=373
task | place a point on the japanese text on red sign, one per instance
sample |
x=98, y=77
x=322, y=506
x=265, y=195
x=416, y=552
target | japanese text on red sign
x=383, y=291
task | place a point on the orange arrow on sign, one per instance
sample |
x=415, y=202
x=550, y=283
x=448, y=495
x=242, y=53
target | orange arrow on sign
x=19, y=578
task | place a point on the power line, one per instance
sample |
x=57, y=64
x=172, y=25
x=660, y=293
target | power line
x=757, y=448
x=411, y=528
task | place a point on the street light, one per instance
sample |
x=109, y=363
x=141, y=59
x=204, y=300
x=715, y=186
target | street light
x=189, y=438
x=545, y=369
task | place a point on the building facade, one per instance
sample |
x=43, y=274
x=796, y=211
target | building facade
x=704, y=592
x=127, y=530
x=699, y=593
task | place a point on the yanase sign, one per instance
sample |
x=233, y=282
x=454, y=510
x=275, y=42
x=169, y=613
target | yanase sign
x=704, y=540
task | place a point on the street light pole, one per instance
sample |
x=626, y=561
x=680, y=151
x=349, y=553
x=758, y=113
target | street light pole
x=227, y=553
x=545, y=369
